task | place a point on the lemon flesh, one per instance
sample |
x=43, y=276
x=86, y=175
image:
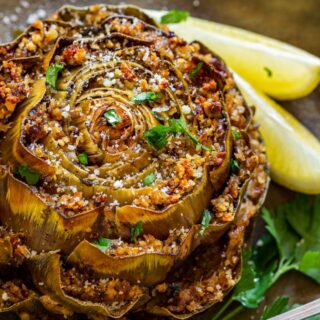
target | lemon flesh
x=293, y=151
x=278, y=69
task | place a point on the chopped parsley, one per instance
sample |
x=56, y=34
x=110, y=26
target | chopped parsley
x=112, y=117
x=149, y=179
x=236, y=134
x=174, y=16
x=102, y=243
x=268, y=71
x=146, y=96
x=31, y=176
x=158, y=136
x=83, y=158
x=52, y=74
x=234, y=165
x=195, y=71
x=205, y=221
x=136, y=231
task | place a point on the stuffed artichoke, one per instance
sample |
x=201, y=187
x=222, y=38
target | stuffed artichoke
x=131, y=170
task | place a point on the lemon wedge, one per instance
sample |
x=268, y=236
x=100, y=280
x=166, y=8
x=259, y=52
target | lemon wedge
x=278, y=69
x=293, y=152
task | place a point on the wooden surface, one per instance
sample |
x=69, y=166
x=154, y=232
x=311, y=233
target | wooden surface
x=296, y=22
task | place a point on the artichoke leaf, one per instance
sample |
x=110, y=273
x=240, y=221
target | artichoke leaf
x=23, y=209
x=185, y=213
x=15, y=150
x=6, y=251
x=46, y=269
x=30, y=305
x=148, y=267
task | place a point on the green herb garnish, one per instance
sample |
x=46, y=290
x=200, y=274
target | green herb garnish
x=174, y=16
x=149, y=179
x=136, y=231
x=234, y=165
x=158, y=136
x=112, y=117
x=268, y=71
x=52, y=74
x=102, y=243
x=83, y=158
x=195, y=71
x=236, y=134
x=293, y=229
x=31, y=176
x=205, y=221
x=146, y=96
x=280, y=305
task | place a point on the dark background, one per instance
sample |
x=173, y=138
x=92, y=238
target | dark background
x=294, y=21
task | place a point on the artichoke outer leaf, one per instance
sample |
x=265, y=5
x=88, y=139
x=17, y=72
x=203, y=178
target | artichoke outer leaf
x=158, y=223
x=23, y=209
x=15, y=150
x=6, y=251
x=30, y=305
x=152, y=267
x=46, y=269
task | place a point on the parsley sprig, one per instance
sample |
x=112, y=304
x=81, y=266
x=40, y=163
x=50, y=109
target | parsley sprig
x=136, y=231
x=158, y=136
x=279, y=306
x=52, y=74
x=195, y=71
x=31, y=176
x=149, y=179
x=148, y=96
x=294, y=230
x=174, y=16
x=102, y=243
x=205, y=221
x=112, y=117
x=83, y=158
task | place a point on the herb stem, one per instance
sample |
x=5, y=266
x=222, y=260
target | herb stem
x=232, y=313
x=283, y=268
x=222, y=309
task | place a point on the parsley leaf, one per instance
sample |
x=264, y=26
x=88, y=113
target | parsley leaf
x=234, y=166
x=146, y=96
x=205, y=221
x=31, y=176
x=280, y=305
x=112, y=117
x=310, y=265
x=149, y=179
x=180, y=126
x=102, y=243
x=195, y=71
x=136, y=231
x=83, y=158
x=52, y=74
x=174, y=16
x=236, y=133
x=247, y=277
x=157, y=137
x=277, y=226
x=294, y=229
x=268, y=71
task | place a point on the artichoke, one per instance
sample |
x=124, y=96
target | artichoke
x=131, y=169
